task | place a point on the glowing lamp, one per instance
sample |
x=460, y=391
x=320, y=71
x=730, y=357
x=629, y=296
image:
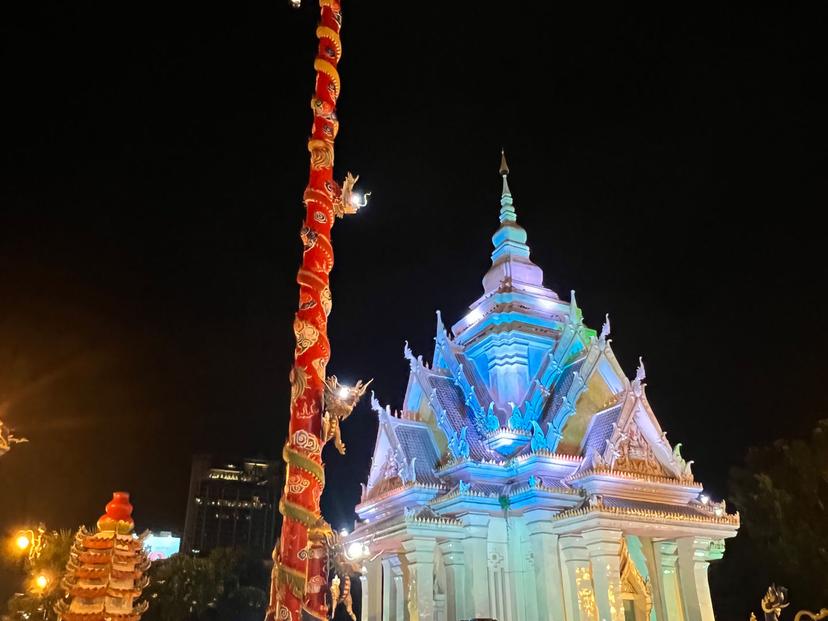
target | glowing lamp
x=296, y=3
x=355, y=550
x=343, y=532
x=474, y=316
x=344, y=391
x=41, y=581
x=356, y=200
x=22, y=542
x=704, y=498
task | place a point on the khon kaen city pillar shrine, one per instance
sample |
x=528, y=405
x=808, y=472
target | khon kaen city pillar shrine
x=526, y=478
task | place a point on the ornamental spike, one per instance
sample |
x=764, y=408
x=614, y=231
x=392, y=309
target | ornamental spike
x=506, y=194
x=573, y=307
x=605, y=329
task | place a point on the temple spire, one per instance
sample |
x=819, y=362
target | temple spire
x=507, y=209
x=510, y=259
x=504, y=172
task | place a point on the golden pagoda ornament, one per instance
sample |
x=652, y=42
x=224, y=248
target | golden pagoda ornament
x=105, y=572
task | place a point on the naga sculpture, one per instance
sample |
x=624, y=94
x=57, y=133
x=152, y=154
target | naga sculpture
x=776, y=599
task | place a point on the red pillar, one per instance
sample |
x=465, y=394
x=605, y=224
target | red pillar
x=298, y=584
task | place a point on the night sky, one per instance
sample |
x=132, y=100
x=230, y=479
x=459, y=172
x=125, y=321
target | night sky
x=153, y=162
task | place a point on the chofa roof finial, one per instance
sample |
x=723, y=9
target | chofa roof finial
x=640, y=372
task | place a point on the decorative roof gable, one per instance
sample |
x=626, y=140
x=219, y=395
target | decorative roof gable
x=633, y=441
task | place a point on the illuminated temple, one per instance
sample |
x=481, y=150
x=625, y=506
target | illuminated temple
x=527, y=478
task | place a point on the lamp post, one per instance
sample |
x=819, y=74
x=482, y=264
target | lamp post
x=318, y=404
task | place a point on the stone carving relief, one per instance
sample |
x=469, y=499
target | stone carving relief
x=632, y=453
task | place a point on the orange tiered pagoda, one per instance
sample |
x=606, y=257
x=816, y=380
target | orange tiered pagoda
x=106, y=569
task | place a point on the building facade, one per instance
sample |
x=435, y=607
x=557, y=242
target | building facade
x=231, y=505
x=527, y=478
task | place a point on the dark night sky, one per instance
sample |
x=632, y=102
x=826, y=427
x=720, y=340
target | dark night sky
x=153, y=162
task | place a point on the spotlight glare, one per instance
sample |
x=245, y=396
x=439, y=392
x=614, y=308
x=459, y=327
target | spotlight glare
x=355, y=550
x=474, y=316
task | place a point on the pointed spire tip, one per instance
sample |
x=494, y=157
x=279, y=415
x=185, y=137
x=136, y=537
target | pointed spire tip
x=504, y=168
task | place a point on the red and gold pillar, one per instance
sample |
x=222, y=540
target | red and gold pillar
x=299, y=582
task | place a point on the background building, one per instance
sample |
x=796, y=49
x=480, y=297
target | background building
x=161, y=544
x=232, y=504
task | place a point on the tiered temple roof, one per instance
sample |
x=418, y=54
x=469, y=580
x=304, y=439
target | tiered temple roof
x=525, y=406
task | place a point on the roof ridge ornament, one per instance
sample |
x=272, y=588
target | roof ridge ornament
x=573, y=307
x=605, y=329
x=640, y=376
x=640, y=372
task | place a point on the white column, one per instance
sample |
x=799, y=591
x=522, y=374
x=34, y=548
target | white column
x=393, y=592
x=548, y=598
x=653, y=559
x=667, y=560
x=579, y=594
x=419, y=558
x=693, y=560
x=387, y=589
x=372, y=591
x=604, y=547
x=363, y=596
x=477, y=580
x=400, y=612
x=453, y=558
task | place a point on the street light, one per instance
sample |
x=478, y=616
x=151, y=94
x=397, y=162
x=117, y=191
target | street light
x=354, y=551
x=27, y=540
